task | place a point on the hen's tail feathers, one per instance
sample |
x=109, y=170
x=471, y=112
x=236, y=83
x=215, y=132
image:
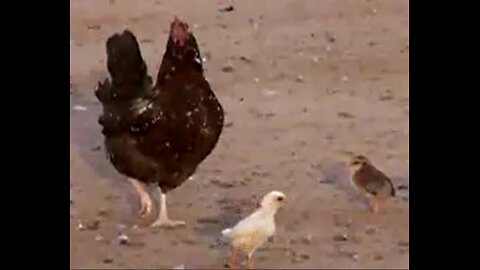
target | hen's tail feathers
x=126, y=67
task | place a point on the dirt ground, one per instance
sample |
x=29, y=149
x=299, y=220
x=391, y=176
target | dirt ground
x=304, y=83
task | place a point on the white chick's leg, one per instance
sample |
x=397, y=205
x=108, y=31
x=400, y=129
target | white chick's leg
x=163, y=220
x=145, y=200
x=249, y=261
x=232, y=258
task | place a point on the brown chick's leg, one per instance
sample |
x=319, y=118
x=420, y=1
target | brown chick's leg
x=376, y=205
x=145, y=200
x=232, y=259
x=163, y=220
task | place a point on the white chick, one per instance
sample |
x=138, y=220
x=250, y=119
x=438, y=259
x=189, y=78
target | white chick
x=251, y=232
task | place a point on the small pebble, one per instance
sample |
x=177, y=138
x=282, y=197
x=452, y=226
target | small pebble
x=245, y=59
x=227, y=69
x=103, y=212
x=299, y=78
x=108, y=260
x=330, y=37
x=345, y=115
x=307, y=239
x=92, y=225
x=227, y=9
x=99, y=238
x=123, y=239
x=257, y=80
x=181, y=266
x=403, y=243
x=229, y=124
x=340, y=237
x=377, y=257
x=371, y=231
x=344, y=78
x=81, y=227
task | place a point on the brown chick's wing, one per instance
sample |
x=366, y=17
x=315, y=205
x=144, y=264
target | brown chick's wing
x=379, y=184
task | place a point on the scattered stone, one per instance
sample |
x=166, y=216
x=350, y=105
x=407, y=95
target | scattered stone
x=307, y=240
x=108, y=260
x=221, y=184
x=228, y=69
x=189, y=241
x=403, y=243
x=245, y=59
x=92, y=225
x=299, y=79
x=94, y=27
x=329, y=36
x=227, y=9
x=345, y=115
x=123, y=239
x=229, y=124
x=81, y=227
x=371, y=230
x=99, y=238
x=342, y=222
x=327, y=181
x=340, y=238
x=181, y=266
x=349, y=254
x=385, y=97
x=257, y=80
x=377, y=257
x=103, y=212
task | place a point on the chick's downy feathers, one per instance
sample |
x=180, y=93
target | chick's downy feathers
x=255, y=229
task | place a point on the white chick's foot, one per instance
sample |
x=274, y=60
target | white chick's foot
x=168, y=223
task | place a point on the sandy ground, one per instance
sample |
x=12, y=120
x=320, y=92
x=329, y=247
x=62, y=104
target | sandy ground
x=309, y=82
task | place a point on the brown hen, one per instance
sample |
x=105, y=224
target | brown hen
x=158, y=134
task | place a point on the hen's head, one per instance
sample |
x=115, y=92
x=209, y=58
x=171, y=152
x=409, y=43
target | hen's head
x=181, y=44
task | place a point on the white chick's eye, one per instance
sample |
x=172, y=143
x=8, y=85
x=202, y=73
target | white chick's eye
x=280, y=199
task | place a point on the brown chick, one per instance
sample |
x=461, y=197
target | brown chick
x=370, y=181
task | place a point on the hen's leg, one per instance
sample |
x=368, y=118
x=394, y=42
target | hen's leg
x=163, y=220
x=145, y=200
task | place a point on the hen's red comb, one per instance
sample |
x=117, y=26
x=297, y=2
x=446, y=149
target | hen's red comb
x=179, y=31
